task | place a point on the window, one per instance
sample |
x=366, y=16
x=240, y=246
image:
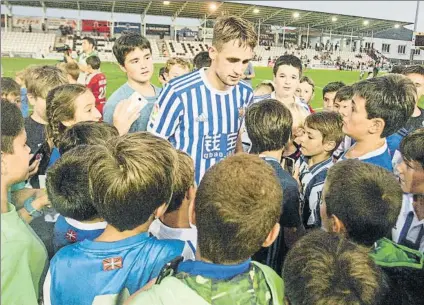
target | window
x=416, y=51
x=369, y=45
x=385, y=48
x=402, y=49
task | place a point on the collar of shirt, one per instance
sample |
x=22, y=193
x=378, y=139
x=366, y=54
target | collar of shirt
x=213, y=271
x=100, y=245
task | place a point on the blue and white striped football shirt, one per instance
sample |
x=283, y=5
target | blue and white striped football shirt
x=199, y=119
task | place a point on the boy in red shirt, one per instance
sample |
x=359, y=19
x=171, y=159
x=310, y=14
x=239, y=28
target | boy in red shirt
x=96, y=81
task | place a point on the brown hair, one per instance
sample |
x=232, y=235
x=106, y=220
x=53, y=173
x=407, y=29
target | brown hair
x=325, y=268
x=366, y=198
x=176, y=61
x=70, y=68
x=130, y=177
x=60, y=106
x=306, y=79
x=234, y=28
x=184, y=179
x=329, y=124
x=237, y=204
x=12, y=124
x=39, y=80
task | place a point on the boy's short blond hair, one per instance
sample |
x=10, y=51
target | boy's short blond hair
x=234, y=28
x=70, y=68
x=176, y=61
x=329, y=124
x=39, y=80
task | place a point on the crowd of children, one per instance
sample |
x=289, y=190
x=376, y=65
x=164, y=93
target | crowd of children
x=209, y=191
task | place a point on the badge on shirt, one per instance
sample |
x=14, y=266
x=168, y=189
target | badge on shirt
x=112, y=263
x=71, y=236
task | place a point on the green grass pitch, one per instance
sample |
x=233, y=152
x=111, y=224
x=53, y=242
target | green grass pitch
x=115, y=77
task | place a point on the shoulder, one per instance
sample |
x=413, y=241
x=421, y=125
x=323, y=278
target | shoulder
x=166, y=246
x=244, y=86
x=121, y=93
x=183, y=82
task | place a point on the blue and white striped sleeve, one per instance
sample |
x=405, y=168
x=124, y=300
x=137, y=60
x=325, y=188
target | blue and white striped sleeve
x=166, y=114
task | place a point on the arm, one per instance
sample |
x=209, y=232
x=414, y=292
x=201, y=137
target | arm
x=41, y=200
x=82, y=67
x=166, y=115
x=46, y=289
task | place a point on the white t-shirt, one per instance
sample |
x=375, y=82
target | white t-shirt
x=162, y=231
x=409, y=225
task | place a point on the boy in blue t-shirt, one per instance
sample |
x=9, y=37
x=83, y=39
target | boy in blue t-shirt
x=323, y=134
x=131, y=181
x=134, y=55
x=380, y=107
x=269, y=124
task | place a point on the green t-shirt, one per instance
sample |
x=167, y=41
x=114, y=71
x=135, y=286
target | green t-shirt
x=23, y=258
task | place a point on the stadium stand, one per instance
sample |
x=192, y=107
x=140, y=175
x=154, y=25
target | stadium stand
x=39, y=43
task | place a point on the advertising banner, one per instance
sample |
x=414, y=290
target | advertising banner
x=120, y=27
x=158, y=29
x=101, y=26
x=24, y=22
x=56, y=23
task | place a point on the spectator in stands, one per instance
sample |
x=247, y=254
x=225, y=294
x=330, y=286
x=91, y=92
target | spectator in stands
x=161, y=76
x=134, y=55
x=88, y=49
x=11, y=91
x=201, y=60
x=327, y=268
x=362, y=201
x=23, y=256
x=329, y=93
x=249, y=73
x=192, y=99
x=96, y=81
x=72, y=71
x=233, y=223
x=306, y=91
x=416, y=75
x=175, y=67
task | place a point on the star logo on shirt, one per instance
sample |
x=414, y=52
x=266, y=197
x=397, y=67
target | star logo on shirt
x=71, y=236
x=112, y=263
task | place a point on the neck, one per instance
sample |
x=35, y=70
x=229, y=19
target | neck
x=318, y=158
x=144, y=89
x=176, y=219
x=111, y=234
x=286, y=100
x=38, y=119
x=363, y=147
x=417, y=112
x=4, y=199
x=214, y=80
x=276, y=154
x=94, y=220
x=289, y=149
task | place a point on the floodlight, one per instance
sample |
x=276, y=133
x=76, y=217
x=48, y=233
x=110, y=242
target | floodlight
x=296, y=15
x=166, y=2
x=397, y=26
x=212, y=6
x=366, y=22
x=256, y=10
x=334, y=19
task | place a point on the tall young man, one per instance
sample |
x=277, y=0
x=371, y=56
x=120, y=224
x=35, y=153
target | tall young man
x=88, y=46
x=200, y=113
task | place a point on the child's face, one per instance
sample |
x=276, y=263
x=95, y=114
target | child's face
x=175, y=71
x=311, y=142
x=13, y=98
x=139, y=65
x=17, y=163
x=305, y=91
x=343, y=107
x=418, y=81
x=39, y=105
x=286, y=80
x=329, y=100
x=357, y=124
x=85, y=109
x=411, y=177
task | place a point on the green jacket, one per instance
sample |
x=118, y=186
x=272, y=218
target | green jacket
x=259, y=286
x=403, y=268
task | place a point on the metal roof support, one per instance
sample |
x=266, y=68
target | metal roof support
x=79, y=17
x=346, y=24
x=272, y=15
x=144, y=13
x=178, y=12
x=294, y=19
x=112, y=19
x=247, y=10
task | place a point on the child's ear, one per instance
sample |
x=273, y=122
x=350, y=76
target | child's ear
x=192, y=212
x=329, y=146
x=337, y=225
x=123, y=69
x=31, y=99
x=272, y=235
x=68, y=123
x=191, y=193
x=161, y=210
x=377, y=126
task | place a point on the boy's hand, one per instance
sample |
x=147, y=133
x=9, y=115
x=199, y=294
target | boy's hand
x=33, y=168
x=296, y=174
x=41, y=200
x=126, y=113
